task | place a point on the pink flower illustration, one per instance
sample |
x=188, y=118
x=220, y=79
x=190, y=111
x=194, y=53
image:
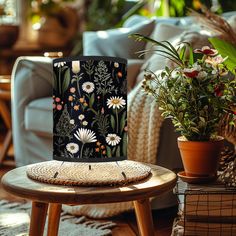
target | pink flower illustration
x=72, y=90
x=59, y=107
x=57, y=99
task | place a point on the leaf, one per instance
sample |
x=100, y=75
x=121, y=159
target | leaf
x=91, y=100
x=122, y=122
x=73, y=80
x=118, y=151
x=191, y=59
x=113, y=151
x=124, y=144
x=202, y=119
x=182, y=53
x=55, y=82
x=108, y=151
x=226, y=49
x=113, y=123
x=66, y=80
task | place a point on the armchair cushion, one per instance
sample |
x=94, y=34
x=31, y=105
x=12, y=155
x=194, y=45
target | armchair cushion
x=38, y=116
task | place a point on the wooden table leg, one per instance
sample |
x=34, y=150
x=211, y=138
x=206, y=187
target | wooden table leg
x=6, y=145
x=38, y=218
x=144, y=217
x=54, y=219
x=6, y=116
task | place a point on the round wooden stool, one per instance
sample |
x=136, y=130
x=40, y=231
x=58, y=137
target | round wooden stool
x=5, y=98
x=16, y=182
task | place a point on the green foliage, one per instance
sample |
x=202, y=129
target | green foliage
x=103, y=79
x=64, y=127
x=104, y=14
x=102, y=122
x=66, y=81
x=196, y=93
x=89, y=67
x=226, y=50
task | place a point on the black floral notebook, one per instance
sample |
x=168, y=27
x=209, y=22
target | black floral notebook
x=90, y=109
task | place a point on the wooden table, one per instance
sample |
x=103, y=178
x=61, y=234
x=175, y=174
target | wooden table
x=5, y=98
x=44, y=195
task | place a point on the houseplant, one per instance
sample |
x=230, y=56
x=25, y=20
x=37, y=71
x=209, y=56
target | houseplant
x=55, y=20
x=195, y=94
x=9, y=31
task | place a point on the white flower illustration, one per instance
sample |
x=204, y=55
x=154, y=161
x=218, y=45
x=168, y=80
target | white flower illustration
x=84, y=122
x=76, y=66
x=85, y=135
x=72, y=148
x=81, y=117
x=59, y=64
x=113, y=139
x=72, y=121
x=88, y=87
x=115, y=102
x=116, y=64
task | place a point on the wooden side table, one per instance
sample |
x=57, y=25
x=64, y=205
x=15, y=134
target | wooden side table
x=44, y=195
x=5, y=98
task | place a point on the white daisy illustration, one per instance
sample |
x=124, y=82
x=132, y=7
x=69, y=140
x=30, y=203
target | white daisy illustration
x=113, y=139
x=115, y=102
x=75, y=67
x=116, y=64
x=84, y=122
x=72, y=148
x=59, y=64
x=88, y=87
x=72, y=121
x=85, y=135
x=81, y=117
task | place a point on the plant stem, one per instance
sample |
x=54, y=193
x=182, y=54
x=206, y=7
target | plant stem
x=117, y=122
x=77, y=81
x=60, y=92
x=81, y=150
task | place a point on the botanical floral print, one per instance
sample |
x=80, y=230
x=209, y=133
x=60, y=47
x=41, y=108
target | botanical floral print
x=90, y=110
x=113, y=139
x=88, y=87
x=115, y=102
x=85, y=135
x=72, y=148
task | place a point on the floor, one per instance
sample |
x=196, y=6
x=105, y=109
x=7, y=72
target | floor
x=126, y=223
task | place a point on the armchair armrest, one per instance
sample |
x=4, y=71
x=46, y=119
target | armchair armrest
x=133, y=69
x=32, y=78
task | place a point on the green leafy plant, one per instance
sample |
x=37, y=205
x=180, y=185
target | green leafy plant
x=226, y=50
x=196, y=93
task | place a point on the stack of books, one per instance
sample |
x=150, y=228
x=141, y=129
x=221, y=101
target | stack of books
x=206, y=209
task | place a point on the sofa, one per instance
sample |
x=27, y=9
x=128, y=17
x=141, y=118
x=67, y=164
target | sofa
x=32, y=86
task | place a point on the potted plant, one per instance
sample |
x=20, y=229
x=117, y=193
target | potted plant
x=55, y=21
x=8, y=30
x=195, y=94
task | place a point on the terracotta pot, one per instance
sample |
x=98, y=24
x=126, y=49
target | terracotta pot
x=9, y=35
x=200, y=158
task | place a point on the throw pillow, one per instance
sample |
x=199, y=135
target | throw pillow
x=116, y=42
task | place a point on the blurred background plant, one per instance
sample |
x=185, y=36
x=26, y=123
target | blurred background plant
x=45, y=8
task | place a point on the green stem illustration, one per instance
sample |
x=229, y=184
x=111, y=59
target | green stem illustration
x=60, y=92
x=77, y=80
x=81, y=150
x=117, y=122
